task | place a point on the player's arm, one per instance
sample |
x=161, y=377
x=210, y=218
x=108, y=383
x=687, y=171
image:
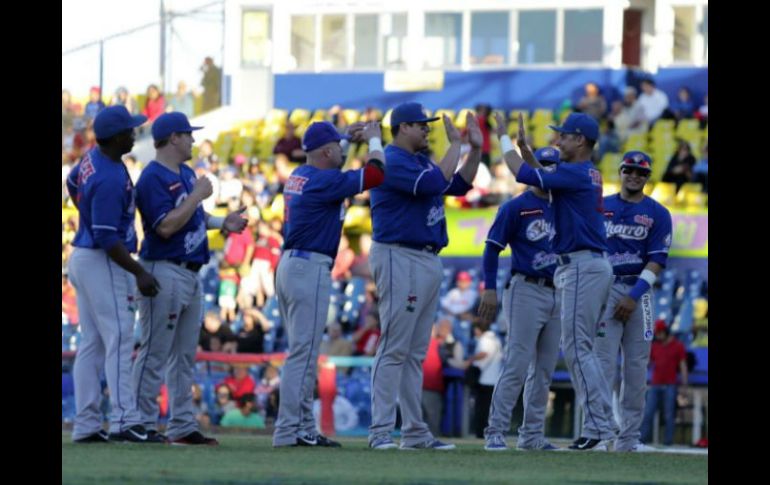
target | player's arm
x=106, y=209
x=176, y=218
x=683, y=371
x=627, y=304
x=521, y=142
x=488, y=306
x=232, y=222
x=72, y=184
x=340, y=185
x=448, y=164
x=512, y=158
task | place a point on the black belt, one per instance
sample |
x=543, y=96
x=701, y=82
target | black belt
x=194, y=267
x=419, y=247
x=628, y=279
x=534, y=279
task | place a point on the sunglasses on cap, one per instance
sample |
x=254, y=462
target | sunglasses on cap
x=630, y=170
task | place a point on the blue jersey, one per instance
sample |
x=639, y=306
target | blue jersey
x=105, y=198
x=408, y=207
x=314, y=208
x=159, y=190
x=526, y=224
x=637, y=233
x=578, y=204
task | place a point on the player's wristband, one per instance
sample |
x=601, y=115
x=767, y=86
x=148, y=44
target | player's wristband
x=375, y=145
x=215, y=222
x=644, y=283
x=506, y=145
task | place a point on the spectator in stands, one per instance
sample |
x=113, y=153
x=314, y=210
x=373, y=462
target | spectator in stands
x=259, y=284
x=228, y=292
x=451, y=351
x=268, y=391
x=683, y=106
x=483, y=113
x=630, y=119
x=700, y=327
x=344, y=261
x=240, y=381
x=701, y=169
x=433, y=384
x=182, y=100
x=206, y=156
x=367, y=336
x=609, y=140
x=335, y=343
x=212, y=85
x=337, y=118
x=94, y=105
x=488, y=358
x=222, y=405
x=680, y=167
x=360, y=267
x=666, y=356
x=214, y=336
x=122, y=97
x=503, y=185
x=703, y=112
x=593, y=103
x=200, y=408
x=246, y=416
x=251, y=338
x=459, y=301
x=290, y=145
x=69, y=306
x=67, y=111
x=653, y=101
x=154, y=105
x=230, y=187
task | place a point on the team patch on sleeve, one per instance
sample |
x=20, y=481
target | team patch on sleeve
x=596, y=176
x=295, y=184
x=86, y=169
x=530, y=212
x=644, y=220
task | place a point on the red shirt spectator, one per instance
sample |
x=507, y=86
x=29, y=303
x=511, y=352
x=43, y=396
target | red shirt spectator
x=666, y=356
x=240, y=383
x=267, y=248
x=236, y=247
x=432, y=374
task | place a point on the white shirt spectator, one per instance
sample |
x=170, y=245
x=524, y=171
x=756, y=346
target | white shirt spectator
x=653, y=104
x=490, y=365
x=459, y=301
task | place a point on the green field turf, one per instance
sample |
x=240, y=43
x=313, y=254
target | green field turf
x=250, y=459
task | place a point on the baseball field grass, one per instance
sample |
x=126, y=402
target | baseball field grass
x=249, y=459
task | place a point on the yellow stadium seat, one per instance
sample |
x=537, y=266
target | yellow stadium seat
x=542, y=115
x=514, y=115
x=665, y=193
x=460, y=120
x=299, y=116
x=276, y=116
x=690, y=194
x=610, y=188
x=351, y=115
x=318, y=115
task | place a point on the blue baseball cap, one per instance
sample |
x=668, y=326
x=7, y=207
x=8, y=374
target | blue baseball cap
x=410, y=113
x=115, y=119
x=168, y=123
x=319, y=134
x=579, y=124
x=547, y=155
x=636, y=159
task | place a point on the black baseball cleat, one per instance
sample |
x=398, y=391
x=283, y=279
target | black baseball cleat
x=317, y=440
x=98, y=437
x=195, y=438
x=156, y=436
x=589, y=444
x=137, y=434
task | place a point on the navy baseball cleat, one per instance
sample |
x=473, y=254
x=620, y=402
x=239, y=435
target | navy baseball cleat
x=383, y=442
x=195, y=438
x=98, y=437
x=432, y=444
x=495, y=442
x=317, y=440
x=589, y=444
x=135, y=434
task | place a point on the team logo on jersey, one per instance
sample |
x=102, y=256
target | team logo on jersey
x=411, y=300
x=539, y=229
x=530, y=212
x=180, y=199
x=619, y=259
x=626, y=231
x=543, y=260
x=550, y=168
x=596, y=176
x=175, y=186
x=435, y=215
x=644, y=220
x=295, y=184
x=609, y=214
x=194, y=239
x=86, y=169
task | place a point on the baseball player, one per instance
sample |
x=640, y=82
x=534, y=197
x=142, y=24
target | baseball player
x=106, y=278
x=584, y=274
x=313, y=215
x=638, y=237
x=409, y=232
x=531, y=307
x=169, y=198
